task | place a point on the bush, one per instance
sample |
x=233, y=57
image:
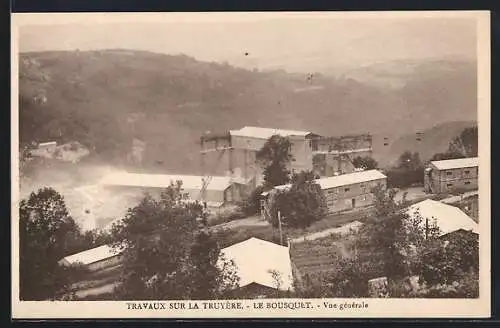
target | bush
x=227, y=215
x=300, y=206
x=251, y=205
x=403, y=178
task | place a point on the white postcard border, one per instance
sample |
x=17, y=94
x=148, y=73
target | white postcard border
x=368, y=308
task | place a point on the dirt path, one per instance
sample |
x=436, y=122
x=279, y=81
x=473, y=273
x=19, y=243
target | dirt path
x=253, y=221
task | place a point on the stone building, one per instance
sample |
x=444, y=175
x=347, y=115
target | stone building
x=451, y=175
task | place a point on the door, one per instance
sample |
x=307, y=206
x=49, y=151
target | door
x=353, y=201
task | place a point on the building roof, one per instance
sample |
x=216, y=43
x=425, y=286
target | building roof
x=450, y=164
x=189, y=182
x=266, y=133
x=254, y=258
x=48, y=143
x=91, y=256
x=350, y=178
x=447, y=217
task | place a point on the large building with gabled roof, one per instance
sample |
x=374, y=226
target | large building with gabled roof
x=263, y=268
x=451, y=175
x=326, y=156
x=94, y=259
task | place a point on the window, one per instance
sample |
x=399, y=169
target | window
x=314, y=145
x=363, y=187
x=466, y=171
x=449, y=185
x=449, y=173
x=467, y=182
x=347, y=189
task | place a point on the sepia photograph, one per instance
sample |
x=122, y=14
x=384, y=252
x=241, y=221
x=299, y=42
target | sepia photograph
x=294, y=164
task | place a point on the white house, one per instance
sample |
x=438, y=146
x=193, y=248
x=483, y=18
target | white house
x=94, y=259
x=346, y=191
x=255, y=260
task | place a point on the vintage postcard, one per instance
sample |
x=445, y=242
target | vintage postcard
x=251, y=165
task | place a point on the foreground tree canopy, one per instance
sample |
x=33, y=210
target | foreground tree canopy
x=397, y=246
x=300, y=205
x=167, y=253
x=47, y=233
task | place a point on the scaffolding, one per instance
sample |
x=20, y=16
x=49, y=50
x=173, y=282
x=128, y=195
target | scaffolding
x=342, y=149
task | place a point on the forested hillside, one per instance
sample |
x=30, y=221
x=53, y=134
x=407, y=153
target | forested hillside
x=105, y=99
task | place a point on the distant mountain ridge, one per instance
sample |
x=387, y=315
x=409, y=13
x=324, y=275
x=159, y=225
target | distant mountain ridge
x=106, y=99
x=427, y=143
x=397, y=73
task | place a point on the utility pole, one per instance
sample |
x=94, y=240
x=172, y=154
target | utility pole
x=426, y=228
x=281, y=231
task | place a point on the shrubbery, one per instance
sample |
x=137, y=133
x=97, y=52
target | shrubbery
x=300, y=205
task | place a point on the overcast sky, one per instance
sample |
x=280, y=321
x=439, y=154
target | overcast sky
x=299, y=44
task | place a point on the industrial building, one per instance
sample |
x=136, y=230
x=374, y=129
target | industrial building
x=94, y=259
x=335, y=155
x=449, y=219
x=214, y=190
x=326, y=156
x=342, y=192
x=256, y=271
x=451, y=175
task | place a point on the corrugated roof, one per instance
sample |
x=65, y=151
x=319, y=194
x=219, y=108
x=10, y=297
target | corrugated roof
x=255, y=257
x=341, y=180
x=91, y=256
x=48, y=143
x=448, y=218
x=450, y=164
x=189, y=182
x=266, y=133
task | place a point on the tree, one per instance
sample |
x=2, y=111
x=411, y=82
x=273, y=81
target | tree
x=396, y=245
x=350, y=279
x=47, y=233
x=366, y=163
x=300, y=205
x=251, y=205
x=303, y=176
x=277, y=279
x=275, y=157
x=408, y=171
x=410, y=161
x=445, y=261
x=466, y=143
x=167, y=253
